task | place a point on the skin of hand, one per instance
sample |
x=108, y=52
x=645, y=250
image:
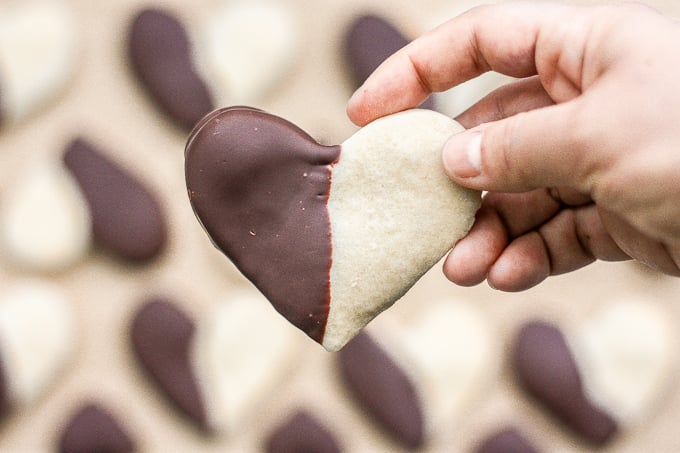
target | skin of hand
x=580, y=157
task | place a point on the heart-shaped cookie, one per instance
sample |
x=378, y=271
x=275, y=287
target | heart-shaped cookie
x=243, y=49
x=37, y=339
x=127, y=218
x=424, y=376
x=44, y=219
x=246, y=48
x=331, y=235
x=38, y=52
x=603, y=375
x=217, y=370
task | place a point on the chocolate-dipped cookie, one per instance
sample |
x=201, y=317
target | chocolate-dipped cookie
x=162, y=57
x=301, y=432
x=238, y=55
x=507, y=440
x=602, y=376
x=417, y=379
x=94, y=429
x=217, y=369
x=317, y=228
x=45, y=222
x=246, y=49
x=37, y=340
x=127, y=219
x=38, y=54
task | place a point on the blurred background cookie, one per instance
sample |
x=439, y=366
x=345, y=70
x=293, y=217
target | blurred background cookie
x=39, y=48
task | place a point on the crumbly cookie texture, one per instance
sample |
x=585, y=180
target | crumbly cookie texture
x=394, y=213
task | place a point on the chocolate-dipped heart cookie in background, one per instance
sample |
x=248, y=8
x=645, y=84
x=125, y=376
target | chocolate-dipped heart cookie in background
x=45, y=222
x=316, y=227
x=425, y=376
x=238, y=54
x=37, y=341
x=39, y=47
x=301, y=432
x=94, y=214
x=94, y=428
x=217, y=370
x=161, y=56
x=507, y=440
x=611, y=372
x=127, y=219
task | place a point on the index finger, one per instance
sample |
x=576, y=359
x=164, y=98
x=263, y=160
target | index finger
x=502, y=38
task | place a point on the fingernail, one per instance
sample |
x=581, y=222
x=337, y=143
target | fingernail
x=462, y=155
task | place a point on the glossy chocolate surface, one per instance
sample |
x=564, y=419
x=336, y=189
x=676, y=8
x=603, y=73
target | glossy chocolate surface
x=546, y=368
x=161, y=339
x=382, y=389
x=259, y=185
x=126, y=218
x=93, y=429
x=508, y=440
x=302, y=433
x=161, y=56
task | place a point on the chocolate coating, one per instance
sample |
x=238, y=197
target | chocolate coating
x=93, y=429
x=368, y=42
x=4, y=396
x=302, y=433
x=383, y=389
x=161, y=56
x=161, y=339
x=126, y=218
x=259, y=185
x=508, y=440
x=547, y=370
x=2, y=108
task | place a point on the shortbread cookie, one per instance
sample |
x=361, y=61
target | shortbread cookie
x=602, y=375
x=127, y=219
x=216, y=370
x=302, y=432
x=331, y=235
x=94, y=429
x=38, y=54
x=423, y=377
x=45, y=221
x=37, y=340
x=238, y=55
x=246, y=48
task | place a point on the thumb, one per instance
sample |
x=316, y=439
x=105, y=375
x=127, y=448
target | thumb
x=546, y=147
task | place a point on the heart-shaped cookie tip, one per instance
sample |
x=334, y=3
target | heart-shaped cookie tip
x=318, y=229
x=38, y=55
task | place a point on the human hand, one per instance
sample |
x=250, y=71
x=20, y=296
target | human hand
x=581, y=156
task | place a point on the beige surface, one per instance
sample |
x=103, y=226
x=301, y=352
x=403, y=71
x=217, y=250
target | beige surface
x=105, y=104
